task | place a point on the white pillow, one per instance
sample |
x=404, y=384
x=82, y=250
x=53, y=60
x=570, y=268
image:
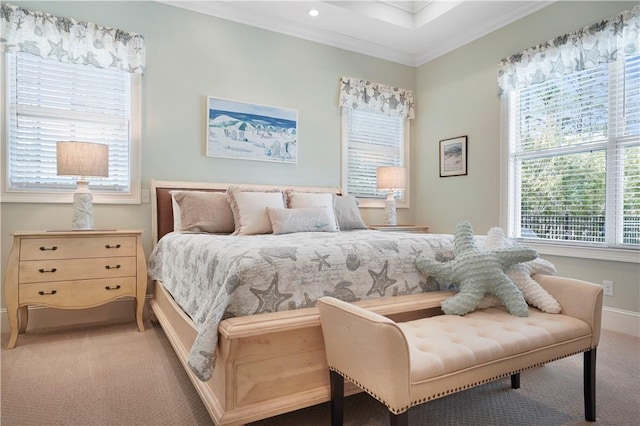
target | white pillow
x=250, y=209
x=305, y=219
x=298, y=200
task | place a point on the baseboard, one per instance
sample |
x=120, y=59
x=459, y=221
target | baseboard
x=626, y=322
x=41, y=317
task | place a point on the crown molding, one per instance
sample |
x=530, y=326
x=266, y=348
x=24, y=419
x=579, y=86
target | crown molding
x=233, y=11
x=482, y=29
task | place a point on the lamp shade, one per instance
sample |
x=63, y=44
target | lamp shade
x=82, y=159
x=391, y=178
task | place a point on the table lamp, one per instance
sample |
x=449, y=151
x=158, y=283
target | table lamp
x=83, y=159
x=390, y=179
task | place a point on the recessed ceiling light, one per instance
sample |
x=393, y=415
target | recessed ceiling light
x=313, y=12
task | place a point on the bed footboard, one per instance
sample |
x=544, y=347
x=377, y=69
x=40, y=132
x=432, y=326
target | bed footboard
x=272, y=363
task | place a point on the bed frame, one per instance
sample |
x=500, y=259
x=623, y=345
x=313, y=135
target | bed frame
x=267, y=364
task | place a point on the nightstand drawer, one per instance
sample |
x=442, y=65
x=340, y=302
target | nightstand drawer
x=77, y=294
x=78, y=247
x=36, y=271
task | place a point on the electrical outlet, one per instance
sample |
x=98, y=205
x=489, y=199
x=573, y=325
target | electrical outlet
x=608, y=288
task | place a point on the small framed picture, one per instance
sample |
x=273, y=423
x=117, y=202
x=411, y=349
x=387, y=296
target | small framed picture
x=453, y=156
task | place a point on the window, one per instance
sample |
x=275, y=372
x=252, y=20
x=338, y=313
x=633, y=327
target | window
x=49, y=101
x=371, y=140
x=375, y=133
x=571, y=108
x=574, y=157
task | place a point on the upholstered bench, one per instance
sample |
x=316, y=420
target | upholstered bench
x=409, y=363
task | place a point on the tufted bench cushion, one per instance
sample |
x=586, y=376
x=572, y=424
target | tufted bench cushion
x=446, y=343
x=403, y=364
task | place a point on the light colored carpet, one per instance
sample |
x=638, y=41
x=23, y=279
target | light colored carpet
x=114, y=375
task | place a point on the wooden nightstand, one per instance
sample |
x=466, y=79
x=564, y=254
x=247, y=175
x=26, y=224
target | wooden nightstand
x=73, y=270
x=416, y=229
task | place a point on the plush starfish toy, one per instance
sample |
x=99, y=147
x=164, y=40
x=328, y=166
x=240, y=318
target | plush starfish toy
x=478, y=272
x=521, y=273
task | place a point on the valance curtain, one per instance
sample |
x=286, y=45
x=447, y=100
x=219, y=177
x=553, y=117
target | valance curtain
x=588, y=47
x=375, y=97
x=70, y=41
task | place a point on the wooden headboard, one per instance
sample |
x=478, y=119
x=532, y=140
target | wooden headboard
x=162, y=210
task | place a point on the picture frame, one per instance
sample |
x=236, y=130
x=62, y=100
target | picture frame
x=453, y=156
x=246, y=131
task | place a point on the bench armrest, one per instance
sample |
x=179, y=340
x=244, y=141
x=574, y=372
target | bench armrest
x=369, y=346
x=578, y=299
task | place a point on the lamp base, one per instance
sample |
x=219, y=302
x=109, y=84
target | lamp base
x=390, y=216
x=82, y=207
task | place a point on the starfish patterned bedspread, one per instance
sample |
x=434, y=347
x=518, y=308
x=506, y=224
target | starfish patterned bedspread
x=214, y=277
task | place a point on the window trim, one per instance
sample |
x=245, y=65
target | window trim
x=547, y=247
x=583, y=252
x=66, y=197
x=404, y=203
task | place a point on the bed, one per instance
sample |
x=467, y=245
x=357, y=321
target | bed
x=267, y=358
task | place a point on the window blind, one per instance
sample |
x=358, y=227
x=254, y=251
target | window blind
x=374, y=140
x=575, y=156
x=51, y=101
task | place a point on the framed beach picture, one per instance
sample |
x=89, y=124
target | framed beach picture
x=453, y=156
x=247, y=131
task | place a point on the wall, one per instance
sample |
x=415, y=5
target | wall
x=191, y=56
x=457, y=95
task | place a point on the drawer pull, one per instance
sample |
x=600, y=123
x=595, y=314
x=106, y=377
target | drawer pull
x=109, y=246
x=112, y=267
x=52, y=248
x=44, y=293
x=44, y=271
x=112, y=288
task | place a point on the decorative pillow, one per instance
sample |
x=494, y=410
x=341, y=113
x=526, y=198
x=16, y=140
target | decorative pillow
x=297, y=200
x=478, y=272
x=347, y=212
x=521, y=273
x=249, y=209
x=204, y=212
x=305, y=219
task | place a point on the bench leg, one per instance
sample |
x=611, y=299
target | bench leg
x=590, y=385
x=337, y=398
x=515, y=381
x=401, y=419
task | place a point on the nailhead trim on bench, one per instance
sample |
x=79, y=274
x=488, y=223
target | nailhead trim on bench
x=448, y=391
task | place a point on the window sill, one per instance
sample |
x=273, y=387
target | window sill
x=370, y=203
x=582, y=252
x=67, y=198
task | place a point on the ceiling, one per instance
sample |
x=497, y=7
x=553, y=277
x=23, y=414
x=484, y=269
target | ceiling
x=406, y=32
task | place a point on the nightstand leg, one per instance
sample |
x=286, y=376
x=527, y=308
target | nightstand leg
x=24, y=319
x=139, y=310
x=13, y=323
x=141, y=285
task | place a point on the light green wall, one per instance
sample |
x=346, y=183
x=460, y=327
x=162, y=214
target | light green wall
x=457, y=95
x=191, y=56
